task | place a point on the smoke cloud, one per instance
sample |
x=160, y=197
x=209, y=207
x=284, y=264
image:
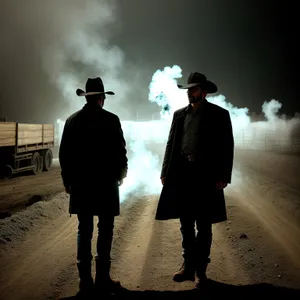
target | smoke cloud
x=49, y=48
x=53, y=46
x=146, y=140
x=274, y=132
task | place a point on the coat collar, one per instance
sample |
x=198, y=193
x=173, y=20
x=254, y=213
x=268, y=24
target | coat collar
x=185, y=110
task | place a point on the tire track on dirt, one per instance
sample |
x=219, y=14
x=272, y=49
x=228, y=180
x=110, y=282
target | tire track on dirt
x=134, y=246
x=16, y=192
x=44, y=265
x=279, y=223
x=37, y=264
x=226, y=265
x=272, y=248
x=126, y=227
x=164, y=257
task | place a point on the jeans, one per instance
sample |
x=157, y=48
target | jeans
x=196, y=247
x=85, y=234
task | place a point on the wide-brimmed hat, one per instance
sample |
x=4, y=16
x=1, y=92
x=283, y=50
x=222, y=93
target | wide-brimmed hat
x=93, y=86
x=198, y=79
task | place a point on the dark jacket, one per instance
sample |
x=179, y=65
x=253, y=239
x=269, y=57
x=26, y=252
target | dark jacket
x=217, y=151
x=93, y=159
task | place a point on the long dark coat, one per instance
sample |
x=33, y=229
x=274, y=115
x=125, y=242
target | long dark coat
x=93, y=159
x=217, y=151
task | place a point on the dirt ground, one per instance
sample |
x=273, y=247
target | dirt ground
x=25, y=189
x=256, y=251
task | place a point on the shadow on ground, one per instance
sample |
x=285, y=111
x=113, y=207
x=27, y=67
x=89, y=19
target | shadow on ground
x=212, y=291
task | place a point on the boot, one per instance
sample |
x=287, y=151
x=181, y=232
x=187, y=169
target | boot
x=186, y=272
x=86, y=284
x=201, y=278
x=103, y=282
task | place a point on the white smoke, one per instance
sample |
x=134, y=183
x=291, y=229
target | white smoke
x=70, y=39
x=144, y=171
x=273, y=132
x=163, y=90
x=63, y=43
x=76, y=47
x=145, y=163
x=271, y=110
x=146, y=140
x=48, y=50
x=86, y=45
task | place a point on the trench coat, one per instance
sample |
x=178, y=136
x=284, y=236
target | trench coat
x=93, y=159
x=217, y=153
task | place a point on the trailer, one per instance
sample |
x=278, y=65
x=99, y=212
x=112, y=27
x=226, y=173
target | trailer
x=25, y=147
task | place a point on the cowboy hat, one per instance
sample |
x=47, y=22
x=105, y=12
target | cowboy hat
x=198, y=79
x=93, y=86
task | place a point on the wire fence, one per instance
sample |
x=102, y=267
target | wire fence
x=269, y=141
x=252, y=139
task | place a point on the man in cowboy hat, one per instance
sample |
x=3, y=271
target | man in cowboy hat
x=196, y=168
x=93, y=160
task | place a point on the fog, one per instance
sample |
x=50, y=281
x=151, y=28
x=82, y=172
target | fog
x=146, y=140
x=48, y=50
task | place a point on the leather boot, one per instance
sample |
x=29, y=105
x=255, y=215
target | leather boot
x=86, y=284
x=186, y=272
x=201, y=278
x=103, y=282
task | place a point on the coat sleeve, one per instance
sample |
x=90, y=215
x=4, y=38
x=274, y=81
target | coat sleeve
x=227, y=149
x=168, y=150
x=121, y=151
x=64, y=155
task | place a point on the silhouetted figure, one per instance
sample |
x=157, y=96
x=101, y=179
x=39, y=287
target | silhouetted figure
x=93, y=160
x=197, y=167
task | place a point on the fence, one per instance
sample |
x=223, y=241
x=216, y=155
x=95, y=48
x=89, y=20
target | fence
x=251, y=139
x=269, y=141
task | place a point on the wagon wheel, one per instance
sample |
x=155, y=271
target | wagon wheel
x=47, y=160
x=36, y=163
x=7, y=172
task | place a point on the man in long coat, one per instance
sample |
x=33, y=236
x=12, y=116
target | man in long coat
x=197, y=166
x=93, y=160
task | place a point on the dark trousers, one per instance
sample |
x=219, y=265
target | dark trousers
x=196, y=247
x=195, y=191
x=85, y=234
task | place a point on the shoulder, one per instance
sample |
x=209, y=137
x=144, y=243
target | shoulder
x=110, y=116
x=218, y=110
x=180, y=111
x=73, y=117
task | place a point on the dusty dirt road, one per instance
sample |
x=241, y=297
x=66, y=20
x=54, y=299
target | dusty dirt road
x=25, y=189
x=256, y=251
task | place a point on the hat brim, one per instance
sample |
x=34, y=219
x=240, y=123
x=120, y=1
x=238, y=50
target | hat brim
x=209, y=86
x=82, y=93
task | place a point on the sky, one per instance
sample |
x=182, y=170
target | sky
x=48, y=49
x=142, y=49
x=247, y=47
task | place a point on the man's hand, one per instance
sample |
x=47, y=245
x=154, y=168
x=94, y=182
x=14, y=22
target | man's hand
x=221, y=185
x=163, y=179
x=68, y=189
